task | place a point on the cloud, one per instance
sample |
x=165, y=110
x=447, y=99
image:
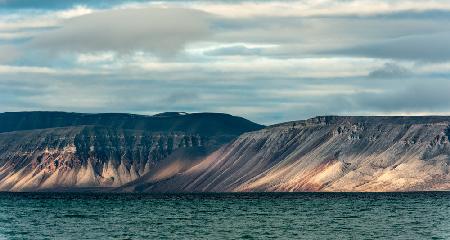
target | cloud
x=56, y=4
x=265, y=96
x=8, y=53
x=375, y=36
x=380, y=34
x=427, y=47
x=235, y=50
x=244, y=8
x=413, y=96
x=324, y=8
x=269, y=61
x=390, y=70
x=157, y=30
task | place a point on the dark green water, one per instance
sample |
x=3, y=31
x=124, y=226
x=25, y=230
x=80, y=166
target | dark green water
x=225, y=216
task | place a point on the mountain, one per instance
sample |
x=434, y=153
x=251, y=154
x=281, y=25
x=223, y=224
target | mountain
x=328, y=153
x=67, y=151
x=209, y=124
x=180, y=152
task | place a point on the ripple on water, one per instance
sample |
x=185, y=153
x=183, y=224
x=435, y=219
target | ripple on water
x=225, y=216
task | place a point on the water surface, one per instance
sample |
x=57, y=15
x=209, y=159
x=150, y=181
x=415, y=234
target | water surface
x=225, y=216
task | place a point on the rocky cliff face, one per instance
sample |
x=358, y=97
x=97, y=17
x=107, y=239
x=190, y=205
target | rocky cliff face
x=179, y=152
x=324, y=154
x=68, y=151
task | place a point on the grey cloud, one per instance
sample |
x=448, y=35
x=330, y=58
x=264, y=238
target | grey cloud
x=235, y=50
x=163, y=31
x=258, y=97
x=423, y=39
x=418, y=96
x=429, y=47
x=409, y=97
x=266, y=97
x=389, y=71
x=181, y=97
x=8, y=54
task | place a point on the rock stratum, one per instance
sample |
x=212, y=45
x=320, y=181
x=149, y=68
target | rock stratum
x=222, y=153
x=57, y=151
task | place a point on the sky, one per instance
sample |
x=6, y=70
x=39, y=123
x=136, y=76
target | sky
x=268, y=61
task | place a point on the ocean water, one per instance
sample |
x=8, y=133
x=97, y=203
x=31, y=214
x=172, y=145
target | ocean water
x=225, y=216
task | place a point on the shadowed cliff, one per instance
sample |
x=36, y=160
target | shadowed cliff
x=57, y=150
x=208, y=124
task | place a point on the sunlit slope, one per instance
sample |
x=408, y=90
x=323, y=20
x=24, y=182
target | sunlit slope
x=325, y=154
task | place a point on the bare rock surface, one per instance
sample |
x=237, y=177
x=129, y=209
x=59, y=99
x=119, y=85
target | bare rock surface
x=173, y=152
x=52, y=151
x=325, y=154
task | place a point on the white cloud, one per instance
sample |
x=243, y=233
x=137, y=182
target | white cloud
x=17, y=70
x=310, y=8
x=90, y=58
x=256, y=65
x=158, y=30
x=73, y=12
x=429, y=68
x=21, y=24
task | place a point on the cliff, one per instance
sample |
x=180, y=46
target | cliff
x=325, y=154
x=178, y=152
x=66, y=151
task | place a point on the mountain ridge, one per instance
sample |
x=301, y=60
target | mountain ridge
x=198, y=122
x=327, y=119
x=54, y=150
x=324, y=153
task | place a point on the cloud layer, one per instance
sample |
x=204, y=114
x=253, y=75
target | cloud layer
x=159, y=30
x=269, y=61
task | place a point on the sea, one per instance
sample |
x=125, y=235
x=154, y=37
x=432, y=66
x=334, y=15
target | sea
x=414, y=215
